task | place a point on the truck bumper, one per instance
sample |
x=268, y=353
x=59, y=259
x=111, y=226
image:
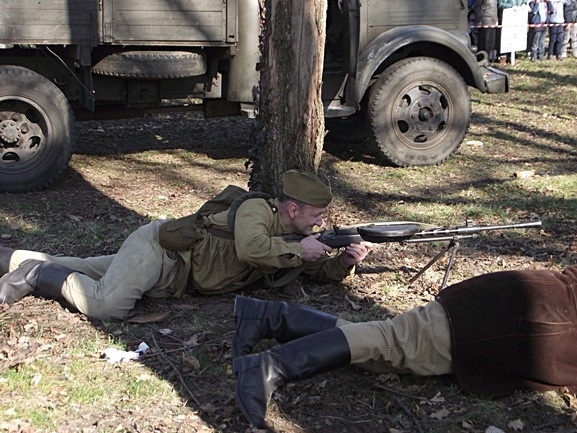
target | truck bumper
x=496, y=81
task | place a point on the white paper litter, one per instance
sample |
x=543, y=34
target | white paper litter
x=113, y=355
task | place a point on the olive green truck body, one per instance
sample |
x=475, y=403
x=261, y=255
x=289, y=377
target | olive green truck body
x=395, y=72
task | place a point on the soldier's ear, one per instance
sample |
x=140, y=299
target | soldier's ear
x=293, y=209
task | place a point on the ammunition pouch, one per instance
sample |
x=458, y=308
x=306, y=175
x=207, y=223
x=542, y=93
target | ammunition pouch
x=181, y=234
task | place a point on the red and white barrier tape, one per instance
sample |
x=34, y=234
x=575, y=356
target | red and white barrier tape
x=498, y=26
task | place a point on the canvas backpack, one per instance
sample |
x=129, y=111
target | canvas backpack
x=183, y=233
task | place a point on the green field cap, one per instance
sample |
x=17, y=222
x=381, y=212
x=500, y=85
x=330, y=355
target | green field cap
x=306, y=187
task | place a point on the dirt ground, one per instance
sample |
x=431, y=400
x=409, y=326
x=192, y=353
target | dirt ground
x=118, y=180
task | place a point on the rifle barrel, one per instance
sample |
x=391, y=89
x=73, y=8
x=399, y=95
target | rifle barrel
x=423, y=239
x=453, y=233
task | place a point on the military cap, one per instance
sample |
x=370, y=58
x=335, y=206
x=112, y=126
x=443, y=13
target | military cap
x=306, y=187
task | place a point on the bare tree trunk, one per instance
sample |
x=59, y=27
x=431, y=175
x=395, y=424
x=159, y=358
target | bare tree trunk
x=289, y=119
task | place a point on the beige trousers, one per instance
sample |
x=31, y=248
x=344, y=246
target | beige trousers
x=108, y=287
x=417, y=342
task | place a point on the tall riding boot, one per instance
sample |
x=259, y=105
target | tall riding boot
x=283, y=321
x=260, y=374
x=5, y=255
x=34, y=277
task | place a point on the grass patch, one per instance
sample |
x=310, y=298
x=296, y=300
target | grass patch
x=126, y=173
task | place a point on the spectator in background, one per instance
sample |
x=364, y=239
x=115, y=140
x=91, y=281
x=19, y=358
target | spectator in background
x=487, y=19
x=472, y=24
x=556, y=20
x=506, y=4
x=570, y=32
x=538, y=17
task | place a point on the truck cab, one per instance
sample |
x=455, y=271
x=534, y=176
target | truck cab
x=395, y=72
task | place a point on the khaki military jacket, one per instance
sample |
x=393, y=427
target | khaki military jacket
x=220, y=264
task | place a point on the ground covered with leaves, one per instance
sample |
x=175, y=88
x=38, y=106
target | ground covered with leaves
x=54, y=378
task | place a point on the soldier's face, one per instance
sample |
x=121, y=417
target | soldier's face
x=306, y=218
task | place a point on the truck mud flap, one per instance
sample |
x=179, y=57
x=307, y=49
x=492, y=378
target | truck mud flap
x=496, y=81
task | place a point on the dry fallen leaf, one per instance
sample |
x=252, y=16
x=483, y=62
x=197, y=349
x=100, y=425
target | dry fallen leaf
x=571, y=400
x=190, y=363
x=208, y=408
x=440, y=414
x=148, y=318
x=436, y=399
x=354, y=306
x=516, y=425
x=36, y=379
x=192, y=341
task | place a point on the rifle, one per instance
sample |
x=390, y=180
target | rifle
x=407, y=232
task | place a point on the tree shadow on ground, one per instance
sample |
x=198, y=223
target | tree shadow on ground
x=217, y=138
x=60, y=220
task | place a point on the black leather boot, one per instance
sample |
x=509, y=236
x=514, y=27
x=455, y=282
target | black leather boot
x=283, y=321
x=260, y=374
x=5, y=255
x=33, y=277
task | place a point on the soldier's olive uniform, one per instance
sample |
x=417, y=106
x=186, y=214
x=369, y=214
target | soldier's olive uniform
x=416, y=342
x=109, y=286
x=221, y=265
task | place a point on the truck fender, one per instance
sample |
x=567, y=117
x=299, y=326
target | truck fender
x=391, y=41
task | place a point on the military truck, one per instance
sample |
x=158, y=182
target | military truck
x=395, y=71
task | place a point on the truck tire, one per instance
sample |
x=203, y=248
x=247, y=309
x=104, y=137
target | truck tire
x=35, y=130
x=419, y=112
x=152, y=65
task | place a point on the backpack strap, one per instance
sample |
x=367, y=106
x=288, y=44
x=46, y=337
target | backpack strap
x=240, y=200
x=283, y=277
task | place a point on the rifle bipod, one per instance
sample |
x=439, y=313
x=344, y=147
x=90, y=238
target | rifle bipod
x=453, y=245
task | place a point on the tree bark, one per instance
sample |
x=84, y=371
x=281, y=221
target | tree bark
x=289, y=118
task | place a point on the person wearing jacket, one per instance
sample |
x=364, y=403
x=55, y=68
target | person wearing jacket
x=538, y=18
x=486, y=14
x=497, y=333
x=570, y=32
x=556, y=28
